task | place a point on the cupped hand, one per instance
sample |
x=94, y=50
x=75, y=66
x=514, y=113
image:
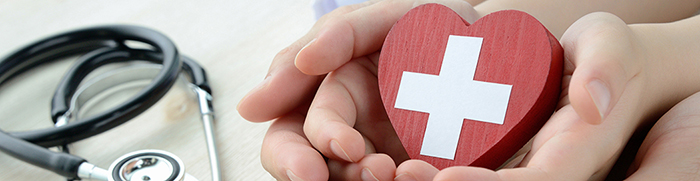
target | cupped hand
x=669, y=151
x=344, y=133
x=615, y=81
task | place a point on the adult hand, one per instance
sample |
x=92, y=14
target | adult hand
x=346, y=121
x=669, y=151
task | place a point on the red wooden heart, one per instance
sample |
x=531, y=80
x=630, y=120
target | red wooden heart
x=516, y=50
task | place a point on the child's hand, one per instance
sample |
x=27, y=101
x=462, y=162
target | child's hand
x=346, y=122
x=629, y=76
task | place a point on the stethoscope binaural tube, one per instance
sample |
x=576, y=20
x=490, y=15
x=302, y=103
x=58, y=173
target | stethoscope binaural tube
x=52, y=47
x=27, y=145
x=62, y=108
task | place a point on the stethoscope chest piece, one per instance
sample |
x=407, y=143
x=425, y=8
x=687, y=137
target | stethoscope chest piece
x=148, y=165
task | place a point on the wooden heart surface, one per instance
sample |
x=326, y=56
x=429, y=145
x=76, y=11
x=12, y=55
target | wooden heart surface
x=461, y=94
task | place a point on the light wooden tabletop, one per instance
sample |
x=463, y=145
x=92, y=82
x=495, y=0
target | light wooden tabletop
x=234, y=41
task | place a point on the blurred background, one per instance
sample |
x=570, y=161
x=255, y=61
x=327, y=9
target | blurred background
x=234, y=40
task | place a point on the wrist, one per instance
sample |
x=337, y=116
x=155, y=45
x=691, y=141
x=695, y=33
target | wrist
x=555, y=16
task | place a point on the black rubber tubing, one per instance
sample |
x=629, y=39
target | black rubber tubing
x=18, y=145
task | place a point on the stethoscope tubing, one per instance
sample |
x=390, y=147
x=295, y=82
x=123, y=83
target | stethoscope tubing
x=26, y=145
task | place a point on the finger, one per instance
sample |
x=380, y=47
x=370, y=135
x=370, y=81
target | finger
x=372, y=121
x=285, y=87
x=605, y=58
x=371, y=167
x=549, y=159
x=467, y=173
x=518, y=157
x=560, y=119
x=361, y=32
x=417, y=170
x=277, y=94
x=287, y=155
x=348, y=102
x=670, y=149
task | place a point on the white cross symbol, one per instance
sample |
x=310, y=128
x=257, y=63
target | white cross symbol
x=452, y=96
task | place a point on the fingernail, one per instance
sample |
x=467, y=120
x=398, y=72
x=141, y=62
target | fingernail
x=301, y=50
x=367, y=175
x=293, y=177
x=266, y=76
x=600, y=95
x=405, y=177
x=339, y=151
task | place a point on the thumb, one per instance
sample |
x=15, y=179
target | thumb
x=600, y=52
x=361, y=32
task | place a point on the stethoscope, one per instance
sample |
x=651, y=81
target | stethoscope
x=101, y=46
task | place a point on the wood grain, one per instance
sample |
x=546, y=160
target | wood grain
x=235, y=41
x=517, y=50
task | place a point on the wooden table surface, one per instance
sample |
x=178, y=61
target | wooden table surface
x=234, y=41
